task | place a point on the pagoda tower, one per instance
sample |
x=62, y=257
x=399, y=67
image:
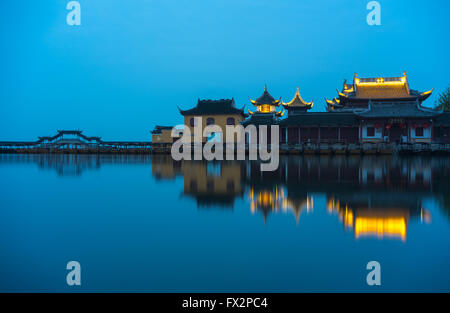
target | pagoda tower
x=297, y=104
x=266, y=110
x=266, y=104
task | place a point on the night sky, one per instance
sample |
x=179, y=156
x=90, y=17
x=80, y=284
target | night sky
x=131, y=63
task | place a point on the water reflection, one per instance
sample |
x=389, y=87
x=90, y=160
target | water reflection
x=72, y=164
x=376, y=197
x=372, y=196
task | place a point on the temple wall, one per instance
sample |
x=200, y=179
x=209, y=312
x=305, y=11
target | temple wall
x=441, y=134
x=425, y=138
x=378, y=133
x=164, y=137
x=219, y=120
x=317, y=134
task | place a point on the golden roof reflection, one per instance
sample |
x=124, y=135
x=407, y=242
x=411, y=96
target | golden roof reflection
x=375, y=222
x=277, y=200
x=371, y=199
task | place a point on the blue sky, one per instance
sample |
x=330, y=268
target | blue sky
x=131, y=63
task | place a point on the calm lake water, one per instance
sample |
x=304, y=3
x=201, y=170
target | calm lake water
x=141, y=223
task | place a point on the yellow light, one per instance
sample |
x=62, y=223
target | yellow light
x=265, y=108
x=381, y=81
x=380, y=227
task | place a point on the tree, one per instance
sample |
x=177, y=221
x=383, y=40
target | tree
x=443, y=102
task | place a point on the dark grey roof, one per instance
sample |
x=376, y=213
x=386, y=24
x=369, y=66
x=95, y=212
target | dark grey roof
x=158, y=129
x=442, y=119
x=320, y=118
x=213, y=107
x=396, y=109
x=265, y=98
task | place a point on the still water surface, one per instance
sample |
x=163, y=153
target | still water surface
x=141, y=223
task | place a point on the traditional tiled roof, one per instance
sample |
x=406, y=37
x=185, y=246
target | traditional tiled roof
x=382, y=91
x=381, y=88
x=158, y=129
x=213, y=107
x=298, y=103
x=401, y=109
x=321, y=119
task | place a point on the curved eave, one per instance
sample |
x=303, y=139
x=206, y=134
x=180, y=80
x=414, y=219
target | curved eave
x=341, y=95
x=329, y=102
x=253, y=101
x=280, y=114
x=426, y=94
x=182, y=112
x=335, y=101
x=277, y=102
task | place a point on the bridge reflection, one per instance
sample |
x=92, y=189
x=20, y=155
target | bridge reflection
x=72, y=164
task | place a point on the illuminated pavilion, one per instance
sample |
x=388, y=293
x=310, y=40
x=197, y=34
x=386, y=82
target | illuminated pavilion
x=266, y=110
x=365, y=90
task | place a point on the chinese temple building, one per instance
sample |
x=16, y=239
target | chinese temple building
x=381, y=110
x=397, y=122
x=162, y=134
x=213, y=112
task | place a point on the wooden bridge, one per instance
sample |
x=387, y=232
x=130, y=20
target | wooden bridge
x=74, y=141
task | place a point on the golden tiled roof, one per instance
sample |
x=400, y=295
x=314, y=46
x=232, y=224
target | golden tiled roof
x=382, y=91
x=298, y=101
x=382, y=87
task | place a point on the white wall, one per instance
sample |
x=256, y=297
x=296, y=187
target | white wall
x=378, y=133
x=426, y=135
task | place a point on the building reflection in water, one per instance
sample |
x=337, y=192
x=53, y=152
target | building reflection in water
x=276, y=200
x=372, y=196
